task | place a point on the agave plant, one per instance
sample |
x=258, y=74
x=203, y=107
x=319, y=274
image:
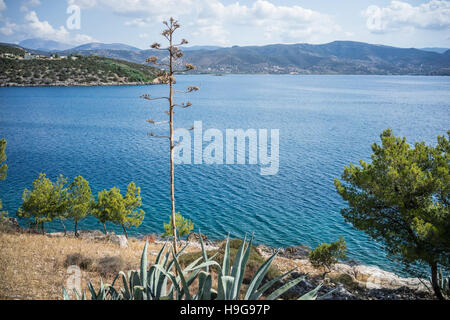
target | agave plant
x=152, y=284
x=444, y=283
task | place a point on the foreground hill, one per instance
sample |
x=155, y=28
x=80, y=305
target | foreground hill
x=339, y=57
x=18, y=68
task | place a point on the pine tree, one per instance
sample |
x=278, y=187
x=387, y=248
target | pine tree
x=80, y=200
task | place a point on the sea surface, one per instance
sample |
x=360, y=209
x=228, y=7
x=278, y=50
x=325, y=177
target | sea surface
x=325, y=122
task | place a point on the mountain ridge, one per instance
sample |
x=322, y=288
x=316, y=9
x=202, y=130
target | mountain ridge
x=337, y=57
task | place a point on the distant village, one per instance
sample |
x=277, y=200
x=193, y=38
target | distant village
x=31, y=56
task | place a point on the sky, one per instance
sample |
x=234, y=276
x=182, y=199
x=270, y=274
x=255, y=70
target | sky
x=405, y=24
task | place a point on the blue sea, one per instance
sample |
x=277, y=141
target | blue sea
x=325, y=123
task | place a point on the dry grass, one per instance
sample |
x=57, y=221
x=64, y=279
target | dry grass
x=32, y=266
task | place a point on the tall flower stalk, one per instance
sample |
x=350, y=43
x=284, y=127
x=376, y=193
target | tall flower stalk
x=167, y=76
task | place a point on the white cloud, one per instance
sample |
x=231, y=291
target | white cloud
x=214, y=19
x=43, y=29
x=9, y=28
x=35, y=28
x=434, y=14
x=2, y=8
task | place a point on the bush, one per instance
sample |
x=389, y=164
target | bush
x=184, y=226
x=79, y=260
x=110, y=265
x=346, y=280
x=327, y=254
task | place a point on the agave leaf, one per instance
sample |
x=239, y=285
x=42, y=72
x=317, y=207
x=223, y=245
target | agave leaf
x=312, y=295
x=274, y=295
x=205, y=284
x=255, y=294
x=226, y=258
x=143, y=273
x=126, y=289
x=260, y=274
x=238, y=258
x=209, y=263
x=205, y=256
x=92, y=290
x=171, y=277
x=240, y=274
x=139, y=293
x=77, y=295
x=183, y=280
x=65, y=294
x=226, y=287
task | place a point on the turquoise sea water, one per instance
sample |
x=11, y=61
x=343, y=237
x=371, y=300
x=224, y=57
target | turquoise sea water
x=325, y=123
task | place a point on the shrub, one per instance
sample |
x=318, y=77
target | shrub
x=110, y=265
x=77, y=259
x=346, y=280
x=327, y=254
x=184, y=226
x=150, y=238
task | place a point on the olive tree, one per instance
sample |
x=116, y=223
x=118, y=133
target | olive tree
x=402, y=199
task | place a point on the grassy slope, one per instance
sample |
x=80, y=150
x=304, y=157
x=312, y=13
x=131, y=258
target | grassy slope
x=83, y=70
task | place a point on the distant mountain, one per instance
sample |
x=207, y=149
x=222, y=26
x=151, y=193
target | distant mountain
x=201, y=48
x=438, y=50
x=44, y=45
x=338, y=57
x=105, y=46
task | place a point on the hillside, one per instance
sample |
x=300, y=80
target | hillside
x=339, y=57
x=70, y=70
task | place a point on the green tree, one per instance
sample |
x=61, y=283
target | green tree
x=3, y=167
x=108, y=206
x=133, y=216
x=45, y=201
x=401, y=198
x=327, y=254
x=183, y=226
x=113, y=207
x=80, y=200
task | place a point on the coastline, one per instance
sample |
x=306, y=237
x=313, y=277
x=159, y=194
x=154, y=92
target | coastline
x=15, y=85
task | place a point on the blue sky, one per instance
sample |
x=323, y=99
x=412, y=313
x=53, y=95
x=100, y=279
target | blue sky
x=229, y=22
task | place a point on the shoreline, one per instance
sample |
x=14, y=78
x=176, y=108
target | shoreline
x=15, y=85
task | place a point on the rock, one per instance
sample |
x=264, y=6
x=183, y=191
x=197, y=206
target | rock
x=59, y=234
x=264, y=251
x=195, y=237
x=376, y=278
x=10, y=224
x=121, y=240
x=91, y=234
x=297, y=252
